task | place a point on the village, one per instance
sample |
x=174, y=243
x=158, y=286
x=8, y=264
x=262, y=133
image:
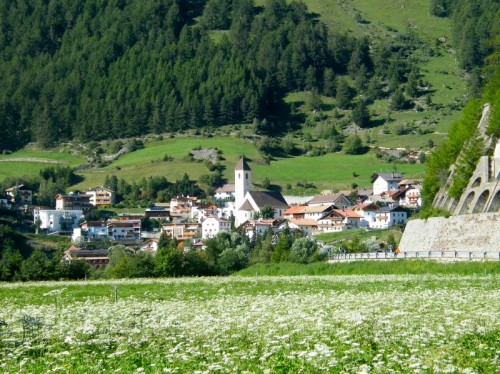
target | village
x=191, y=220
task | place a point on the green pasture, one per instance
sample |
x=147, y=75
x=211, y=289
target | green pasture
x=149, y=160
x=380, y=17
x=173, y=171
x=34, y=161
x=334, y=171
x=232, y=149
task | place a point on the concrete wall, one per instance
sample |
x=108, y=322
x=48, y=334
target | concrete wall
x=476, y=232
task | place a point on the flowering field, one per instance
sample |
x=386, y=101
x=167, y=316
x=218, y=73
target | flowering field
x=343, y=324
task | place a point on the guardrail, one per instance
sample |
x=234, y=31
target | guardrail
x=471, y=255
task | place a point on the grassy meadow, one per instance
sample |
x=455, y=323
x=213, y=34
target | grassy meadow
x=331, y=171
x=30, y=160
x=342, y=324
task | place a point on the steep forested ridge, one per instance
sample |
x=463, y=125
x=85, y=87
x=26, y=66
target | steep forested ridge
x=476, y=36
x=94, y=70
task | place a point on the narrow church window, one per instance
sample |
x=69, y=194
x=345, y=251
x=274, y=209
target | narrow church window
x=239, y=175
x=246, y=175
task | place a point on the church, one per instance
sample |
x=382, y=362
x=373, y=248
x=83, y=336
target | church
x=248, y=203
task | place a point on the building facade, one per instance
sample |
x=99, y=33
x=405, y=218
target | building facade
x=52, y=220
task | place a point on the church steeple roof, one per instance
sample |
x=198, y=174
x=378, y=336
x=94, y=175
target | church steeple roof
x=242, y=165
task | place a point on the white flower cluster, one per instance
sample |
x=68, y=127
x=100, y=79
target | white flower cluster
x=357, y=324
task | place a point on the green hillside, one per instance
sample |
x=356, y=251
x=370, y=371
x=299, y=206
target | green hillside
x=332, y=171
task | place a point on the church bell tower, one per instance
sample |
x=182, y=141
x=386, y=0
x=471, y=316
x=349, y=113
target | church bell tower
x=242, y=180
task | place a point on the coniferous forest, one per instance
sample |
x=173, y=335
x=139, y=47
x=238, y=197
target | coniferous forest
x=93, y=70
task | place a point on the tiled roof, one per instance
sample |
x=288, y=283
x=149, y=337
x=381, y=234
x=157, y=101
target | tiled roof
x=94, y=224
x=295, y=209
x=363, y=206
x=365, y=192
x=226, y=188
x=318, y=209
x=270, y=222
x=217, y=219
x=303, y=222
x=348, y=213
x=11, y=189
x=326, y=199
x=74, y=196
x=271, y=198
x=407, y=181
x=391, y=177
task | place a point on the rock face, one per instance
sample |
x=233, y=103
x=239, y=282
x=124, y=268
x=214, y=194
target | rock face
x=482, y=194
x=465, y=233
x=475, y=222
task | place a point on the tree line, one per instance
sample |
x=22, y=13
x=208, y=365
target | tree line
x=224, y=254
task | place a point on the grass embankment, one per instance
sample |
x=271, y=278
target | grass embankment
x=380, y=235
x=395, y=267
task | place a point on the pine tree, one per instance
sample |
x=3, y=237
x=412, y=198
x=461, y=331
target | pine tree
x=343, y=96
x=398, y=101
x=360, y=114
x=329, y=83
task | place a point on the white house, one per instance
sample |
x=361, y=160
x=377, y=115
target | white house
x=91, y=230
x=57, y=220
x=124, y=230
x=386, y=182
x=248, y=203
x=211, y=226
x=367, y=211
x=308, y=212
x=412, y=197
x=73, y=201
x=307, y=226
x=261, y=227
x=181, y=206
x=101, y=196
x=226, y=192
x=150, y=246
x=18, y=194
x=386, y=217
x=200, y=212
x=339, y=220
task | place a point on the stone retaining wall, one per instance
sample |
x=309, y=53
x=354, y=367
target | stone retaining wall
x=471, y=232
